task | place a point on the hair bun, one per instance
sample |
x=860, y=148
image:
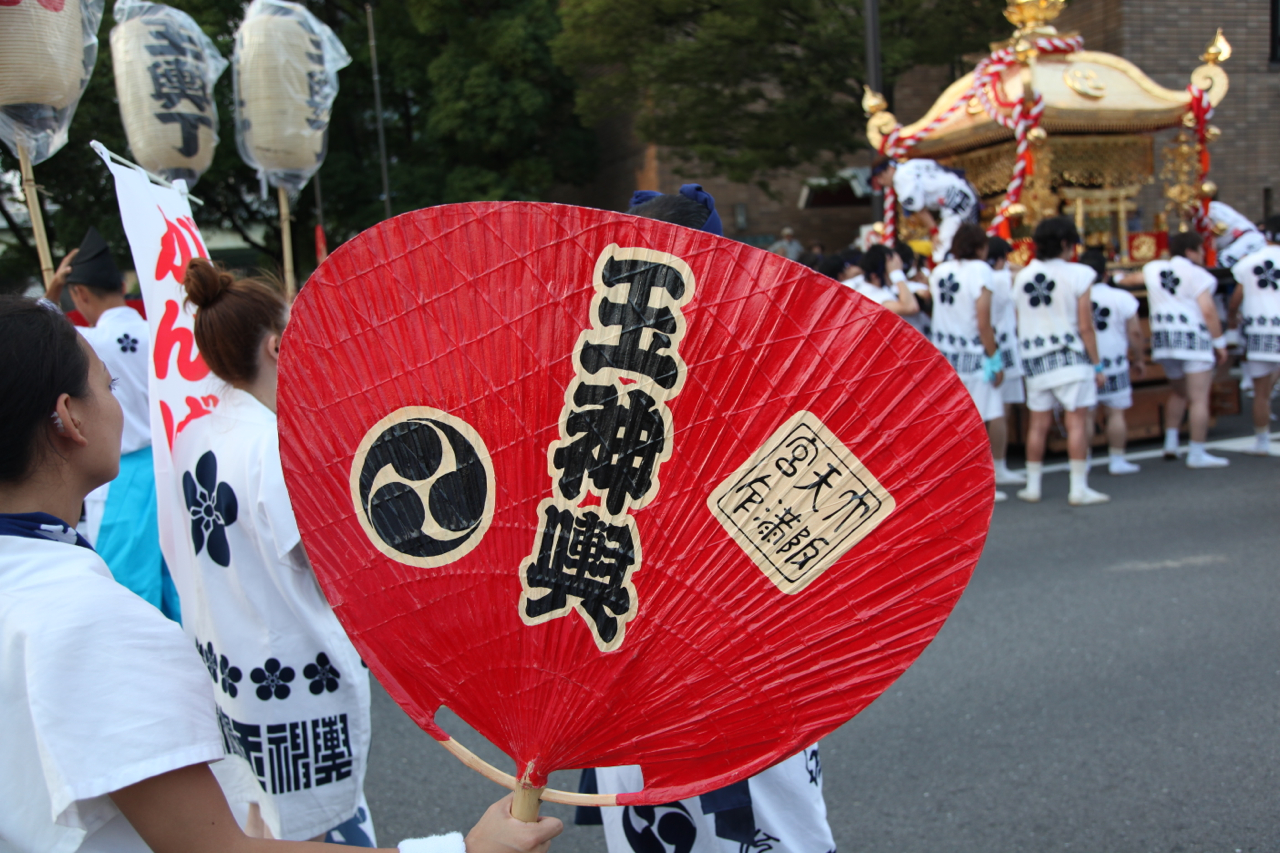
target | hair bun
x=205, y=283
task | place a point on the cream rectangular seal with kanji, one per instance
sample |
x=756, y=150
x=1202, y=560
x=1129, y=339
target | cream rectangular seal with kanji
x=800, y=503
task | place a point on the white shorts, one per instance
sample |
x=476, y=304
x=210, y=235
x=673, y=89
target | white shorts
x=1255, y=369
x=1176, y=368
x=1081, y=394
x=1122, y=399
x=985, y=396
x=1013, y=390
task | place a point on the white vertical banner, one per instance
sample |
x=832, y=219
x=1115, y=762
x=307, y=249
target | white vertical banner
x=163, y=237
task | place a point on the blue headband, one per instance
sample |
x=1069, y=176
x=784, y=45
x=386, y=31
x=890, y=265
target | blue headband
x=693, y=192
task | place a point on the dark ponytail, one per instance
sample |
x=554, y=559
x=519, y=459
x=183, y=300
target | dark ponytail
x=40, y=360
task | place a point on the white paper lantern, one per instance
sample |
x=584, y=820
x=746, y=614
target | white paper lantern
x=286, y=74
x=41, y=53
x=47, y=52
x=166, y=68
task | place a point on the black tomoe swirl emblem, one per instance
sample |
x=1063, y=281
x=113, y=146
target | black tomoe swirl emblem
x=423, y=486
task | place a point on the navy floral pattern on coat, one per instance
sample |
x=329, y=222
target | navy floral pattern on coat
x=212, y=506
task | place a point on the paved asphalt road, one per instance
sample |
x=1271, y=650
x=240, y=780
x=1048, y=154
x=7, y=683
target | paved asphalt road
x=1109, y=682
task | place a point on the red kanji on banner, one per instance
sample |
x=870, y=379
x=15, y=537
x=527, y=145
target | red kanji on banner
x=180, y=243
x=191, y=364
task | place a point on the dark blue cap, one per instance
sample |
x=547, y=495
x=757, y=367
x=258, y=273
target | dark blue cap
x=693, y=192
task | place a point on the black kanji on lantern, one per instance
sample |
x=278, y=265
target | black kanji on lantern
x=175, y=80
x=582, y=556
x=174, y=42
x=615, y=445
x=638, y=321
x=189, y=124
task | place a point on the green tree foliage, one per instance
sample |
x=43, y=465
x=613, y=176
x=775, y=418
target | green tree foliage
x=745, y=87
x=473, y=105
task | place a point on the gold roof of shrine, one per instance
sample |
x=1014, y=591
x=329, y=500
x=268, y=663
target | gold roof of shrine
x=1085, y=92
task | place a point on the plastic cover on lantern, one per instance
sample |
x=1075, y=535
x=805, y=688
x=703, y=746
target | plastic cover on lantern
x=47, y=52
x=285, y=67
x=621, y=492
x=165, y=69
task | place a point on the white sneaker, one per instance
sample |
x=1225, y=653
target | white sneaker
x=1001, y=496
x=1029, y=496
x=1260, y=448
x=1086, y=497
x=1010, y=478
x=1119, y=466
x=1204, y=460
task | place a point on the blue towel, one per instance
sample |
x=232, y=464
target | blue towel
x=129, y=538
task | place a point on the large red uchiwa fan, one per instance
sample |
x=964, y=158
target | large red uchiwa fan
x=621, y=492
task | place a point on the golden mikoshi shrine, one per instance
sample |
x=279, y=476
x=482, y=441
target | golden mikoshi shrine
x=1088, y=120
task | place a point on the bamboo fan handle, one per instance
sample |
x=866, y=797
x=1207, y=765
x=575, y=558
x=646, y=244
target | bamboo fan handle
x=525, y=806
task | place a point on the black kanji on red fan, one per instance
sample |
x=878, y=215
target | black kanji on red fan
x=639, y=322
x=615, y=445
x=820, y=481
x=175, y=80
x=582, y=556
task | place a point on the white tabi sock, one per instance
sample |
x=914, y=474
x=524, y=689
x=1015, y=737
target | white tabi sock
x=1035, y=470
x=1171, y=441
x=1195, y=449
x=1079, y=475
x=1115, y=453
x=1002, y=467
x=1262, y=439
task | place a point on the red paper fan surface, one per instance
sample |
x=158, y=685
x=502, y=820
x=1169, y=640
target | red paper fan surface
x=620, y=492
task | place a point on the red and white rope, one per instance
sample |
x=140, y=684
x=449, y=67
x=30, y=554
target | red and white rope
x=1202, y=109
x=1022, y=128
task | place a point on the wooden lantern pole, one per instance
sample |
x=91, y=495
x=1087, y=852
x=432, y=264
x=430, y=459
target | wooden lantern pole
x=286, y=238
x=37, y=219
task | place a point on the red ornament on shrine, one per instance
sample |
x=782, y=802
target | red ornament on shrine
x=621, y=492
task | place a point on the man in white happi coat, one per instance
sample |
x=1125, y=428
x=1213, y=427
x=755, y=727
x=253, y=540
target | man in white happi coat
x=1004, y=314
x=923, y=186
x=1187, y=341
x=963, y=328
x=1234, y=235
x=120, y=517
x=1256, y=302
x=1120, y=344
x=1059, y=354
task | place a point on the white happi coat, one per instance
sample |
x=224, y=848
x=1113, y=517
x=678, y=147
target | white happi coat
x=1047, y=295
x=1259, y=275
x=98, y=691
x=1004, y=317
x=122, y=340
x=779, y=810
x=1112, y=309
x=1240, y=237
x=924, y=185
x=291, y=692
x=1178, y=330
x=955, y=287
